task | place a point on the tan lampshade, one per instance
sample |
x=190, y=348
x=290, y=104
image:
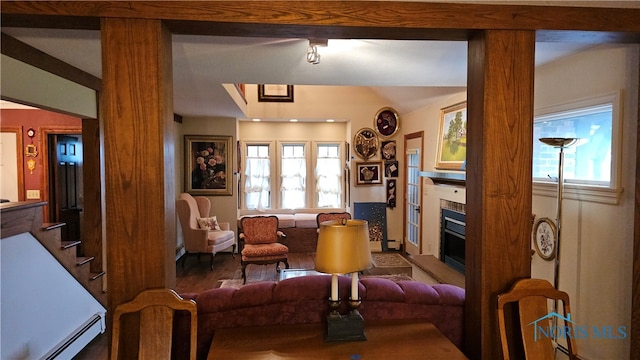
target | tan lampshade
x=343, y=248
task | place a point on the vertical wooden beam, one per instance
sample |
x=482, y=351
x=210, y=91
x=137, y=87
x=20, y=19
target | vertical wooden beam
x=92, y=205
x=499, y=183
x=635, y=286
x=139, y=152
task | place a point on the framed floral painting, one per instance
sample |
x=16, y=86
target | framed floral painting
x=206, y=160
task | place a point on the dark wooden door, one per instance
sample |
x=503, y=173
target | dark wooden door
x=66, y=185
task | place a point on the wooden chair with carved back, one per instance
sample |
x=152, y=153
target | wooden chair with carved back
x=156, y=308
x=532, y=297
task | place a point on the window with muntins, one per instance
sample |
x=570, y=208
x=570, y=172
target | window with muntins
x=257, y=184
x=293, y=165
x=328, y=176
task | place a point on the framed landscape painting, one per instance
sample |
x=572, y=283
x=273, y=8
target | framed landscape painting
x=452, y=137
x=206, y=158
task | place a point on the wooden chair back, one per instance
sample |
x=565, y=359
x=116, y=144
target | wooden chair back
x=156, y=308
x=322, y=217
x=532, y=297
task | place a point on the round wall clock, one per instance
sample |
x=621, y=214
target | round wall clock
x=544, y=238
x=31, y=133
x=386, y=121
x=365, y=143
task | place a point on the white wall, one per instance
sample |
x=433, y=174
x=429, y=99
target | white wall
x=597, y=239
x=43, y=305
x=35, y=86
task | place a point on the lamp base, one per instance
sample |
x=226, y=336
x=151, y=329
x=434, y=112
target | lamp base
x=345, y=327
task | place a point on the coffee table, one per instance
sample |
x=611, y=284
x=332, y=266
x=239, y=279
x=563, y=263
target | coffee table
x=292, y=273
x=390, y=339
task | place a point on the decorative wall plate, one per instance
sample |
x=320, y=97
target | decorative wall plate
x=544, y=238
x=365, y=143
x=386, y=122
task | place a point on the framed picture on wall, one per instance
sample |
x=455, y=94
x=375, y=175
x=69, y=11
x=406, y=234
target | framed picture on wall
x=452, y=137
x=275, y=93
x=207, y=162
x=368, y=173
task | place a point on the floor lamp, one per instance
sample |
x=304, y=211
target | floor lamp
x=560, y=143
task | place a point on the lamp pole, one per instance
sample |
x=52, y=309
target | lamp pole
x=560, y=143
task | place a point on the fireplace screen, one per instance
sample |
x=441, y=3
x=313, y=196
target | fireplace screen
x=452, y=239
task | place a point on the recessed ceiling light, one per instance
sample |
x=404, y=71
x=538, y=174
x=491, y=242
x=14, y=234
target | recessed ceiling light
x=255, y=119
x=330, y=120
x=294, y=120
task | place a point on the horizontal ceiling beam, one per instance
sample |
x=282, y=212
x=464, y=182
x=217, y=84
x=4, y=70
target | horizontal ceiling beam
x=336, y=19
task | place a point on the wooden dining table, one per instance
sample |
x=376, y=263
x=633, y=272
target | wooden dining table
x=389, y=339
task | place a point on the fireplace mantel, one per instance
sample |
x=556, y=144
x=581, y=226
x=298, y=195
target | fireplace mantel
x=447, y=178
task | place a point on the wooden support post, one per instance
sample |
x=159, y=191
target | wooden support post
x=499, y=187
x=139, y=151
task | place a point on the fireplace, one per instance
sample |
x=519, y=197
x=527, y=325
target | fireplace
x=452, y=237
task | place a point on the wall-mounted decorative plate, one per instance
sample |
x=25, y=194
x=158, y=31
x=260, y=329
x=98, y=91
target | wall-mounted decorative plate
x=386, y=122
x=365, y=143
x=544, y=238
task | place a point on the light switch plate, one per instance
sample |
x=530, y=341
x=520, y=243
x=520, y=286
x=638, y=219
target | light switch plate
x=33, y=194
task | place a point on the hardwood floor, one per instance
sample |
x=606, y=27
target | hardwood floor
x=196, y=276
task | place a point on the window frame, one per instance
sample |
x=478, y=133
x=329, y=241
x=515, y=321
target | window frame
x=275, y=157
x=272, y=169
x=584, y=190
x=341, y=157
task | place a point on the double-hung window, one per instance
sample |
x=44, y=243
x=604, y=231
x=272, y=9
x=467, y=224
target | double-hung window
x=592, y=160
x=293, y=185
x=328, y=176
x=304, y=174
x=257, y=184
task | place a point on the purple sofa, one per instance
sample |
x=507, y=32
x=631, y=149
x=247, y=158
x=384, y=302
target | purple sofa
x=304, y=300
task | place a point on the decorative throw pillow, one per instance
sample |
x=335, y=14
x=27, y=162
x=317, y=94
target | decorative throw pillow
x=209, y=223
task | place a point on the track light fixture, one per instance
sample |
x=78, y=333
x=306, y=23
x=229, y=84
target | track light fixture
x=313, y=57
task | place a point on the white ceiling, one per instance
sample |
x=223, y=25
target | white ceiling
x=408, y=73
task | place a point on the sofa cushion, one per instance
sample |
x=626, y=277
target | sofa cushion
x=306, y=220
x=286, y=221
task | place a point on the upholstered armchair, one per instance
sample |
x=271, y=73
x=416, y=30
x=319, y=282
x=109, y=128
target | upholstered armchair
x=260, y=237
x=202, y=233
x=322, y=217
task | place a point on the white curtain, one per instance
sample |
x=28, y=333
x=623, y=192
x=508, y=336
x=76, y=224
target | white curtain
x=256, y=185
x=294, y=177
x=328, y=177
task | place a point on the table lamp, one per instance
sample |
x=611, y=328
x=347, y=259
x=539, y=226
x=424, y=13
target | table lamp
x=343, y=248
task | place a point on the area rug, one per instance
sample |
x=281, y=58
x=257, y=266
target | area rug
x=389, y=260
x=230, y=283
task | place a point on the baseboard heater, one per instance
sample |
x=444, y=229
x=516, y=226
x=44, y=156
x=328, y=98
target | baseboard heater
x=74, y=343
